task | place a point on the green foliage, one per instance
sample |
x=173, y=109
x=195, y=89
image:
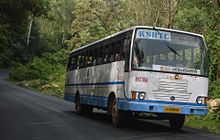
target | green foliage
x=40, y=68
x=203, y=17
x=60, y=57
x=203, y=122
x=46, y=73
x=18, y=72
x=216, y=114
x=96, y=19
x=36, y=69
x=53, y=29
x=40, y=64
x=210, y=122
x=214, y=90
x=15, y=16
x=191, y=20
x=79, y=22
x=99, y=18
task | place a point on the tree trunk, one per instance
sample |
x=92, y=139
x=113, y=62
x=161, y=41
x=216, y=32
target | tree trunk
x=29, y=31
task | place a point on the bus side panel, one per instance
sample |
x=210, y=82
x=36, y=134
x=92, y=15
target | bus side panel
x=104, y=79
x=96, y=83
x=69, y=93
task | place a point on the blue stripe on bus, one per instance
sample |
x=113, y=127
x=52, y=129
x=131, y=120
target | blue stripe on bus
x=159, y=108
x=161, y=102
x=87, y=99
x=99, y=83
x=69, y=98
x=140, y=105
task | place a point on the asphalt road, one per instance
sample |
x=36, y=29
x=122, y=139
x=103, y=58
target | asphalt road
x=28, y=115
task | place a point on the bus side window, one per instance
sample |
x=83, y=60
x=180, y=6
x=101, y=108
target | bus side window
x=125, y=53
x=81, y=61
x=94, y=62
x=107, y=54
x=85, y=61
x=121, y=53
x=100, y=55
x=112, y=58
x=117, y=57
x=89, y=59
x=112, y=52
x=94, y=54
x=78, y=61
x=118, y=47
x=73, y=63
x=99, y=61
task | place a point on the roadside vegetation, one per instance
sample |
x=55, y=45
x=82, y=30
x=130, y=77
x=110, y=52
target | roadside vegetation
x=210, y=123
x=37, y=35
x=46, y=74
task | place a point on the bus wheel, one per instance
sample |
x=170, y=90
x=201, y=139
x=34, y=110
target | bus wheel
x=119, y=117
x=78, y=105
x=176, y=121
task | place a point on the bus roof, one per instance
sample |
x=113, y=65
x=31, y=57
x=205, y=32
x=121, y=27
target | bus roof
x=133, y=28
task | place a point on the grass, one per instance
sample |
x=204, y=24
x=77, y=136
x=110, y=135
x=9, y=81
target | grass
x=207, y=123
x=51, y=88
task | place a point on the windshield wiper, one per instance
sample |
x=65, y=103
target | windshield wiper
x=166, y=44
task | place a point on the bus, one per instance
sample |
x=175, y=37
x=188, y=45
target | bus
x=141, y=70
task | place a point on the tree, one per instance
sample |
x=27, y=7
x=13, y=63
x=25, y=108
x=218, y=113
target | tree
x=94, y=20
x=15, y=15
x=200, y=17
x=54, y=29
x=98, y=18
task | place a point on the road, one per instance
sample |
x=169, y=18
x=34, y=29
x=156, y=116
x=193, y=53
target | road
x=28, y=115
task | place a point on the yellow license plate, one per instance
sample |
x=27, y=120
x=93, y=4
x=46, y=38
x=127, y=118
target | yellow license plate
x=172, y=110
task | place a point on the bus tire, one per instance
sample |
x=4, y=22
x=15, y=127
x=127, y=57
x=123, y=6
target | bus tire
x=176, y=121
x=78, y=105
x=110, y=103
x=119, y=117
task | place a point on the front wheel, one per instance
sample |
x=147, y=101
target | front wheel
x=176, y=121
x=119, y=117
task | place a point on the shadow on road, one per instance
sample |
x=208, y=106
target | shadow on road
x=134, y=125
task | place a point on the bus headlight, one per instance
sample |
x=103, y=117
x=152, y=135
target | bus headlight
x=201, y=100
x=141, y=95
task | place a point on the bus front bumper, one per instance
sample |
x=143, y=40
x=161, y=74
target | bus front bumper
x=162, y=107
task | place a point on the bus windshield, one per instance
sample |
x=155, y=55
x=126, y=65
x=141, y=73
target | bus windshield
x=169, y=51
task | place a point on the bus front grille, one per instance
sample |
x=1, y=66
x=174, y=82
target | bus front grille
x=172, y=90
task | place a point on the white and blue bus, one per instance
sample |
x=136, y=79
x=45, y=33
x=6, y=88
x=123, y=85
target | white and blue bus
x=142, y=69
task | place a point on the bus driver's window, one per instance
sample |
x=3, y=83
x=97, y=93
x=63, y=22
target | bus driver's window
x=136, y=58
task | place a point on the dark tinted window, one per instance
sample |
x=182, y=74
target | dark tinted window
x=111, y=50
